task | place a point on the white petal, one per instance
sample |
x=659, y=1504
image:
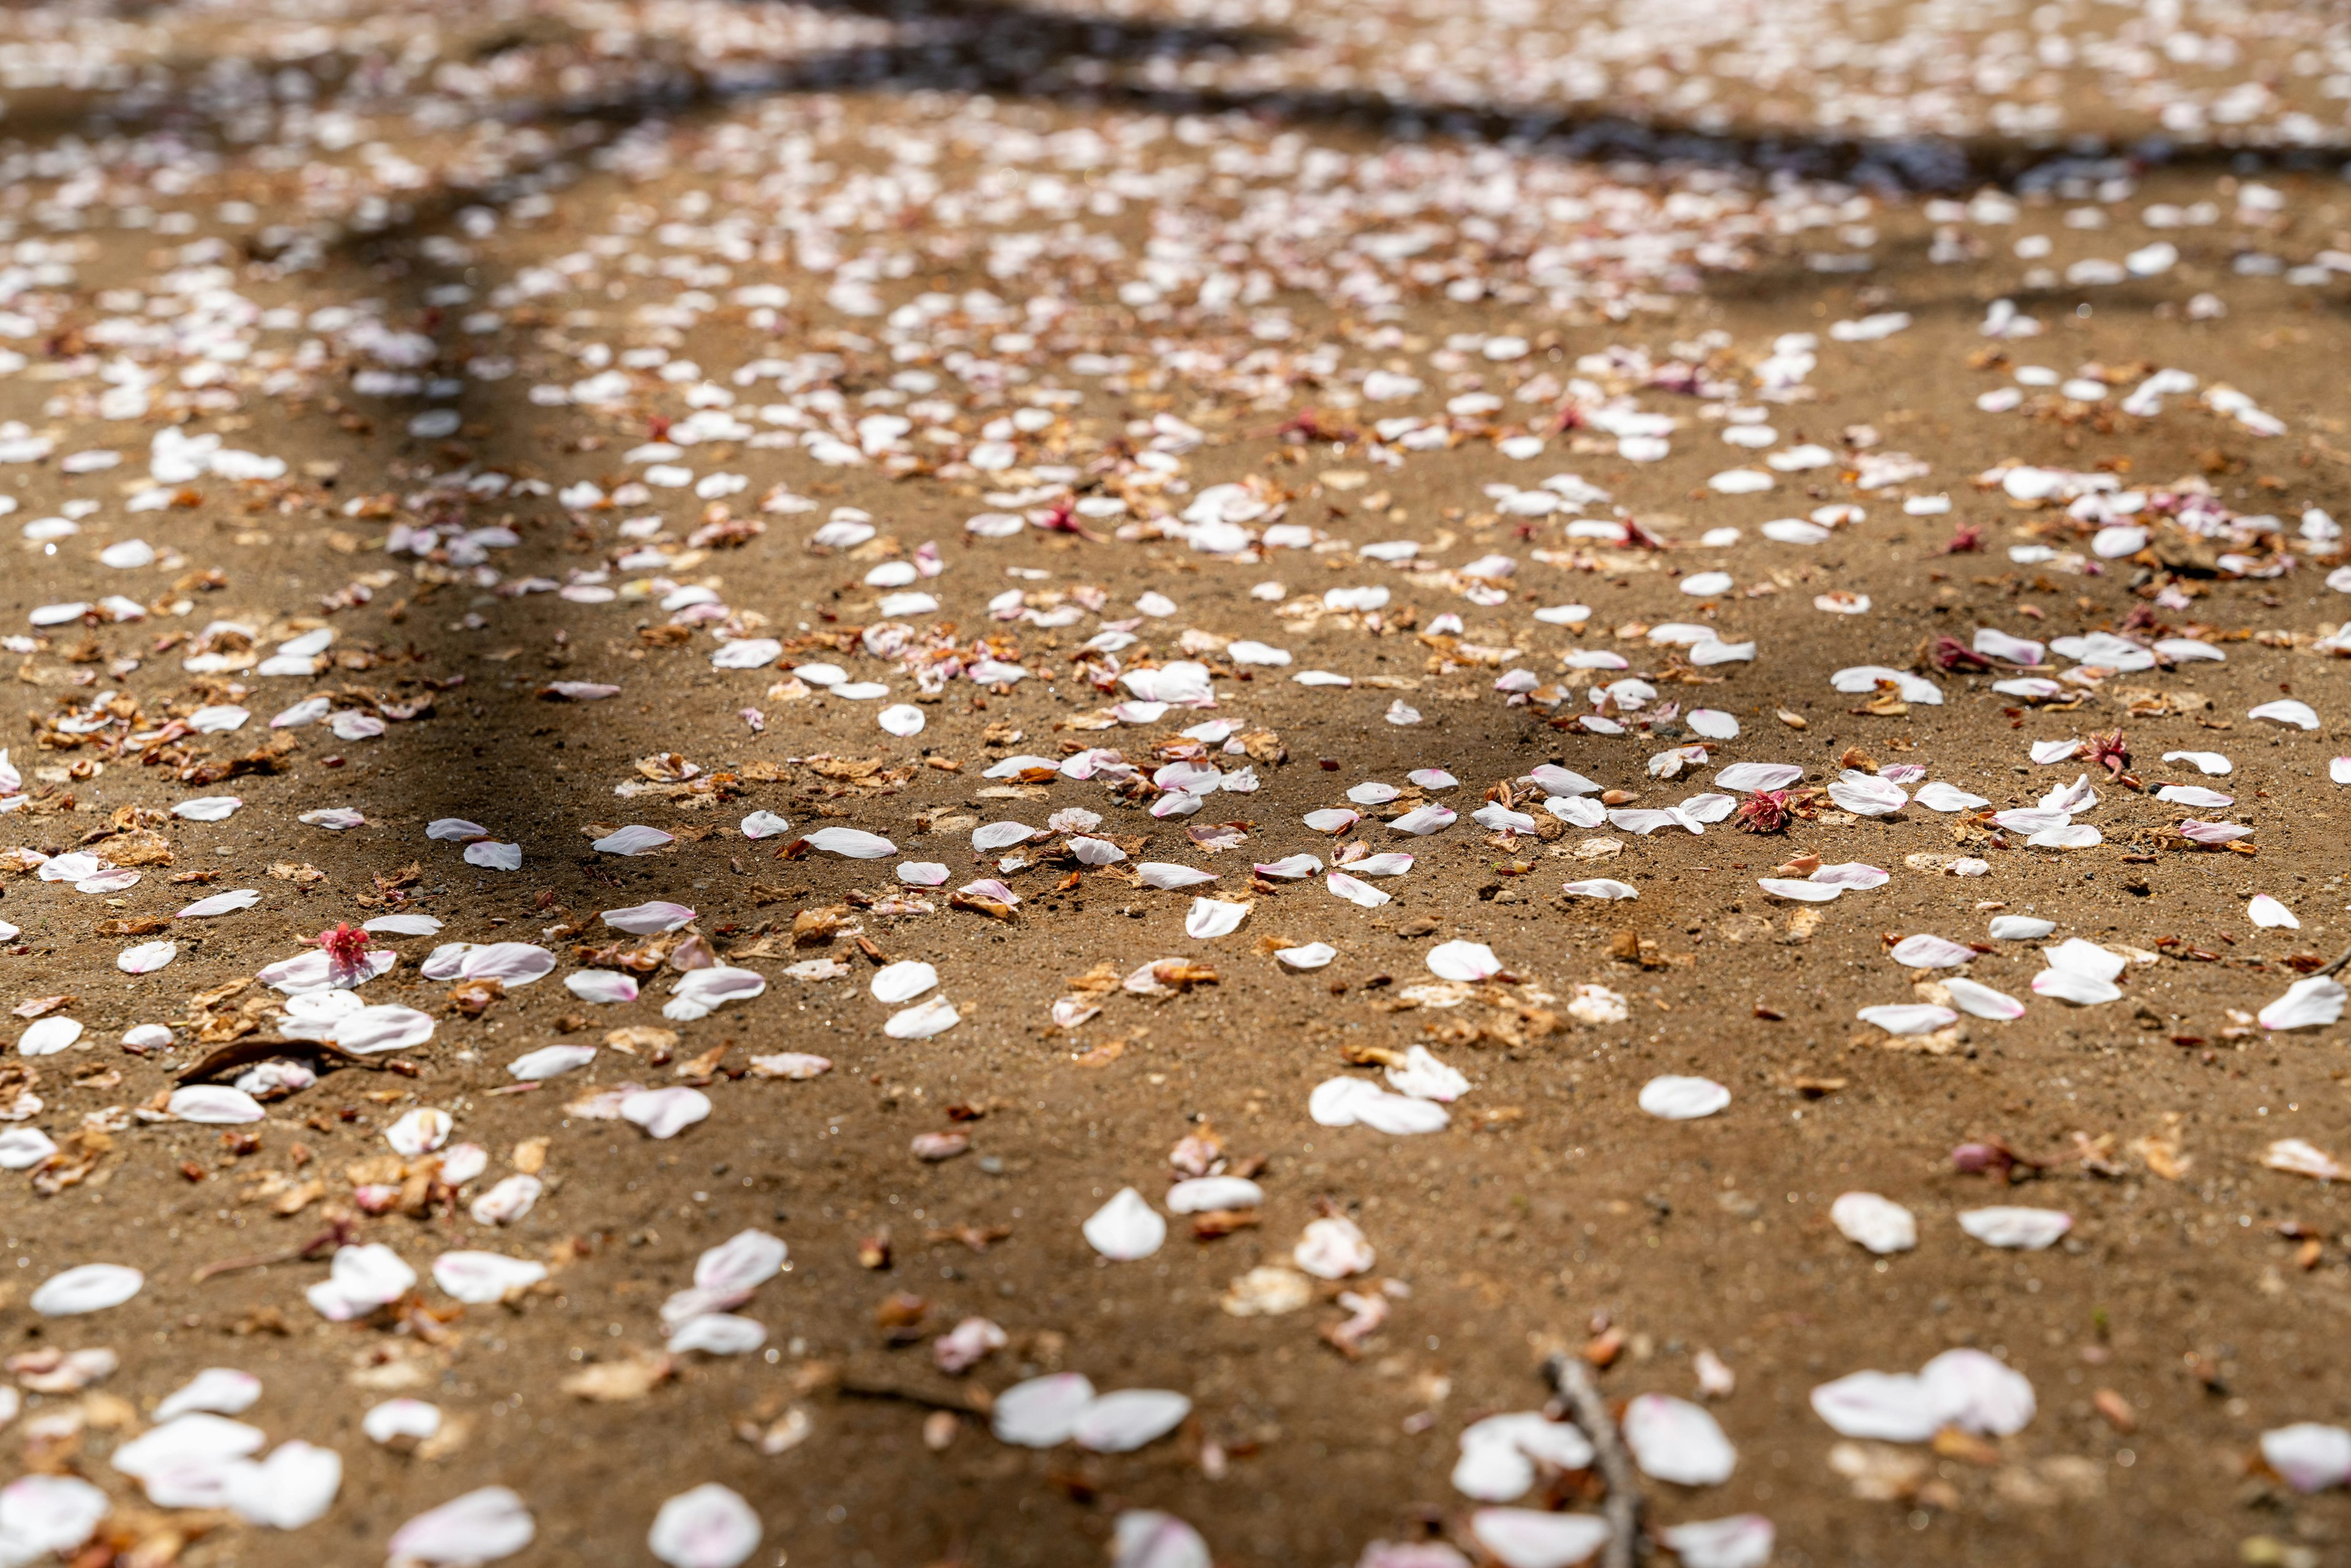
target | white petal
x=2028, y=1230
x=1980, y=1001
x=1929, y=952
x=1740, y=1541
x=1677, y=1441
x=479, y=1527
x=2286, y=710
x=636, y=838
x=1214, y=917
x=903, y=981
x=2264, y=911
x=294, y=1486
x=1979, y=1393
x=480, y=1278
x=1877, y=1223
x=2313, y=1003
x=1129, y=1419
x=649, y=919
x=1682, y=1099
x=2071, y=986
x=215, y=1103
x=1908, y=1018
x=221, y=904
x=923, y=1020
x=549, y=1062
x=397, y=1419
x=1126, y=1228
x=1202, y=1194
x=1893, y=1407
x=1463, y=961
x=852, y=843
x=2309, y=1456
x=600, y=985
x=92, y=1288
x=1530, y=1538
x=666, y=1113
x=1042, y=1412
x=221, y=1390
x=708, y=1527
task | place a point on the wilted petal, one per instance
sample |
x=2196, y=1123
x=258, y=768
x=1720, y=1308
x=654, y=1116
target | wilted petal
x=508, y=1201
x=419, y=1132
x=1334, y=1248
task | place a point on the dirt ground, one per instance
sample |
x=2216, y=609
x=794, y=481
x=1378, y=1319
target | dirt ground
x=2196, y=1302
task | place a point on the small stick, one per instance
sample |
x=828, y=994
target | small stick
x=856, y=1387
x=2344, y=958
x=335, y=1235
x=1573, y=1381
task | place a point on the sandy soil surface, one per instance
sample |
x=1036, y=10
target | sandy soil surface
x=461, y=436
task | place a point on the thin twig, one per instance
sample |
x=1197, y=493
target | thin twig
x=2341, y=959
x=336, y=1235
x=1572, y=1379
